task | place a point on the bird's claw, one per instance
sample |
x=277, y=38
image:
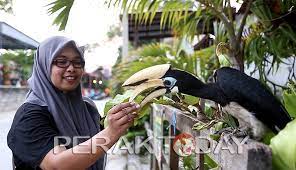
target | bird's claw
x=230, y=131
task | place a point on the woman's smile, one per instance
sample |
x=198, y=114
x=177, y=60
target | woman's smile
x=67, y=69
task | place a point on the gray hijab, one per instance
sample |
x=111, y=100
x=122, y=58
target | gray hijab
x=69, y=110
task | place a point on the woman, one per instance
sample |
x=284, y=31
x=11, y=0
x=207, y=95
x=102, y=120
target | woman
x=55, y=118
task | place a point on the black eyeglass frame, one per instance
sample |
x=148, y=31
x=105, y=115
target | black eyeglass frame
x=69, y=62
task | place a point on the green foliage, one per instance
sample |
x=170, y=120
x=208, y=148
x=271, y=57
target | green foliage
x=138, y=128
x=279, y=44
x=270, y=36
x=6, y=6
x=267, y=137
x=283, y=148
x=117, y=100
x=190, y=100
x=183, y=16
x=206, y=62
x=24, y=59
x=289, y=97
x=209, y=163
x=201, y=125
x=114, y=31
x=121, y=98
x=200, y=63
x=189, y=162
x=224, y=61
x=62, y=7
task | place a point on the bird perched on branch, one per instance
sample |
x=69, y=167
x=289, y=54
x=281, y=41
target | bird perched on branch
x=240, y=95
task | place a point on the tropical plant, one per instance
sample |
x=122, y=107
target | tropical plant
x=185, y=15
x=289, y=96
x=270, y=33
x=284, y=148
x=255, y=42
x=6, y=6
x=201, y=63
x=114, y=31
x=272, y=37
x=23, y=58
x=63, y=7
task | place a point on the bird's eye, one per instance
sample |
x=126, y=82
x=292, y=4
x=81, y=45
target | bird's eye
x=167, y=83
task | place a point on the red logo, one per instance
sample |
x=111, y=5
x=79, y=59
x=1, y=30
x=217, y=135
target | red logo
x=184, y=144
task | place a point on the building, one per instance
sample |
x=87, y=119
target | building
x=12, y=39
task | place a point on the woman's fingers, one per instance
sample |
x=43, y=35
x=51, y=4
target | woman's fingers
x=121, y=114
x=127, y=125
x=125, y=111
x=126, y=119
x=120, y=106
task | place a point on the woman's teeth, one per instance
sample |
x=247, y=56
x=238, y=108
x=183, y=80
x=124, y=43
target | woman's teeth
x=70, y=78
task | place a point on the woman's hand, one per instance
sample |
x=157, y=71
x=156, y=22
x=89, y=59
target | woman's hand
x=120, y=118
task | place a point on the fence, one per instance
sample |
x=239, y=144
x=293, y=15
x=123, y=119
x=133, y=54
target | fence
x=253, y=155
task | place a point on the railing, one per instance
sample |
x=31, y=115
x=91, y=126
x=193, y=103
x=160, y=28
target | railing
x=249, y=155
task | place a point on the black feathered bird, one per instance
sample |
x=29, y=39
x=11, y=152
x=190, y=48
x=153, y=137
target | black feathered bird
x=240, y=95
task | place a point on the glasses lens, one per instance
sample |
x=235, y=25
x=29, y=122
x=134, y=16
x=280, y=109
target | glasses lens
x=65, y=63
x=78, y=64
x=62, y=63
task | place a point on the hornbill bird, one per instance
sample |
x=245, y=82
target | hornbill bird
x=238, y=94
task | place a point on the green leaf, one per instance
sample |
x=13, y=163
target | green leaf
x=6, y=6
x=283, y=147
x=120, y=98
x=190, y=100
x=209, y=162
x=290, y=102
x=267, y=137
x=215, y=137
x=144, y=111
x=189, y=162
x=63, y=9
x=224, y=61
x=164, y=101
x=218, y=126
x=199, y=126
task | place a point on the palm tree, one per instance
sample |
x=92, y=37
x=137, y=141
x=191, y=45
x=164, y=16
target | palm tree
x=63, y=7
x=271, y=33
x=185, y=14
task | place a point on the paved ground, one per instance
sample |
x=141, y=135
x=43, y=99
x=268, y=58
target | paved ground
x=5, y=154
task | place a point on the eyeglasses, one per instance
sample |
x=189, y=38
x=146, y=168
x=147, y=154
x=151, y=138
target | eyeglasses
x=64, y=63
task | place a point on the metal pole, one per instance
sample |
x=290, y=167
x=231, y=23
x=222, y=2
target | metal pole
x=125, y=35
x=1, y=44
x=0, y=39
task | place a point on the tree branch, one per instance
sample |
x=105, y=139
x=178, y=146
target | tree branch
x=245, y=15
x=229, y=9
x=224, y=19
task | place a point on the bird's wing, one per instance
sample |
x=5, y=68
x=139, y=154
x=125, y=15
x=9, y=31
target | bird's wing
x=253, y=96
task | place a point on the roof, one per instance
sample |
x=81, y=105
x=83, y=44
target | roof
x=147, y=31
x=11, y=38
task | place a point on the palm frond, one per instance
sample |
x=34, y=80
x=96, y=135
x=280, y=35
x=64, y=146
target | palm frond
x=6, y=6
x=183, y=16
x=62, y=7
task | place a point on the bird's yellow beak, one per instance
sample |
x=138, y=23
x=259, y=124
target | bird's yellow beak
x=148, y=78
